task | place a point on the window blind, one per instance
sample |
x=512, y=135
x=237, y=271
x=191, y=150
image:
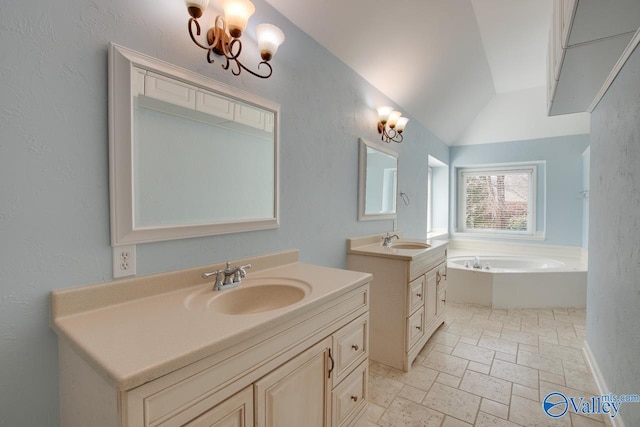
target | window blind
x=498, y=200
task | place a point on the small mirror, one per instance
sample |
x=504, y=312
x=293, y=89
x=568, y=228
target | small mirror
x=189, y=156
x=377, y=182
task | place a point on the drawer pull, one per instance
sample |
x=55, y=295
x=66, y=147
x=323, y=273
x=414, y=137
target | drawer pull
x=418, y=328
x=443, y=300
x=419, y=295
x=354, y=398
x=355, y=347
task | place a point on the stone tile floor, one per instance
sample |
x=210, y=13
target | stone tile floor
x=487, y=367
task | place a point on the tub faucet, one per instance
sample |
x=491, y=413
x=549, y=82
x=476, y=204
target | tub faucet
x=476, y=262
x=387, y=239
x=228, y=278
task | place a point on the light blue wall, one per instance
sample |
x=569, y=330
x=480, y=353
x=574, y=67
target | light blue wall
x=559, y=206
x=54, y=197
x=613, y=289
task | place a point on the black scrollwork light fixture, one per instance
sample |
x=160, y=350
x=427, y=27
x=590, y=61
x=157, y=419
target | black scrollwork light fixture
x=391, y=124
x=223, y=38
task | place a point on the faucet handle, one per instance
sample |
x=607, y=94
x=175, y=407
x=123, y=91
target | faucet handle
x=243, y=270
x=240, y=273
x=213, y=273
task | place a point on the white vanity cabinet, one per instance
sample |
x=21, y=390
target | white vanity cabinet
x=305, y=367
x=408, y=299
x=298, y=392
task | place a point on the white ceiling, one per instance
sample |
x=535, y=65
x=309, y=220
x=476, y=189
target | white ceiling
x=441, y=61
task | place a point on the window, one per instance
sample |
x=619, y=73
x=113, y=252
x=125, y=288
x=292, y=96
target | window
x=497, y=200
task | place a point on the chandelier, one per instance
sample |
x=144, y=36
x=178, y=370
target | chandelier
x=223, y=38
x=391, y=125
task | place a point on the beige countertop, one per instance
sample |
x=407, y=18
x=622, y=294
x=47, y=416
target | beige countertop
x=132, y=341
x=372, y=246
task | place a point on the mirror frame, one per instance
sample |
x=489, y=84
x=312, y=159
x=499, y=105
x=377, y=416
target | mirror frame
x=123, y=231
x=362, y=181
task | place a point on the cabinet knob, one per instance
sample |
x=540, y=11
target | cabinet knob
x=419, y=295
x=354, y=398
x=355, y=347
x=418, y=328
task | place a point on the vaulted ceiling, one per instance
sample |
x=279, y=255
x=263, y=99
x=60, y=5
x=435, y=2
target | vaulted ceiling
x=442, y=61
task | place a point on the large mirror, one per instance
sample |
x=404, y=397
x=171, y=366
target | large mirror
x=377, y=182
x=189, y=156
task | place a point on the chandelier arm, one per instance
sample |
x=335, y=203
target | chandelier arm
x=266, y=76
x=200, y=45
x=227, y=63
x=232, y=53
x=209, y=58
x=390, y=135
x=230, y=47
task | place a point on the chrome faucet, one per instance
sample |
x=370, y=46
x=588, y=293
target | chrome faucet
x=228, y=278
x=476, y=262
x=387, y=239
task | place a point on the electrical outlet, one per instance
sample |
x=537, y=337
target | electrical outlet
x=124, y=261
x=395, y=225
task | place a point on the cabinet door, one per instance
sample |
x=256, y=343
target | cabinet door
x=432, y=293
x=237, y=411
x=298, y=392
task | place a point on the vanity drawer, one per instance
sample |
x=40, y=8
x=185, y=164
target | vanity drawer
x=415, y=328
x=415, y=297
x=350, y=346
x=350, y=395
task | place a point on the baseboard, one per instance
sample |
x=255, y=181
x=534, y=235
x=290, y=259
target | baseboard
x=600, y=383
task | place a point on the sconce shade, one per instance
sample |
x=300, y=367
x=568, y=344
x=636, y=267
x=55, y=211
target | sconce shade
x=237, y=13
x=393, y=118
x=269, y=38
x=383, y=114
x=402, y=122
x=196, y=7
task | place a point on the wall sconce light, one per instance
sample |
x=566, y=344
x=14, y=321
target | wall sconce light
x=223, y=38
x=391, y=124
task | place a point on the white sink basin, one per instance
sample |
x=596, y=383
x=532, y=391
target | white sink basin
x=252, y=296
x=412, y=245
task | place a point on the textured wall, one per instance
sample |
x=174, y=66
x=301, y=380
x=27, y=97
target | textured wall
x=54, y=197
x=562, y=216
x=613, y=291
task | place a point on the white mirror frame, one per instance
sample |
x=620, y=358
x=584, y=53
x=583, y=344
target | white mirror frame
x=123, y=230
x=362, y=181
